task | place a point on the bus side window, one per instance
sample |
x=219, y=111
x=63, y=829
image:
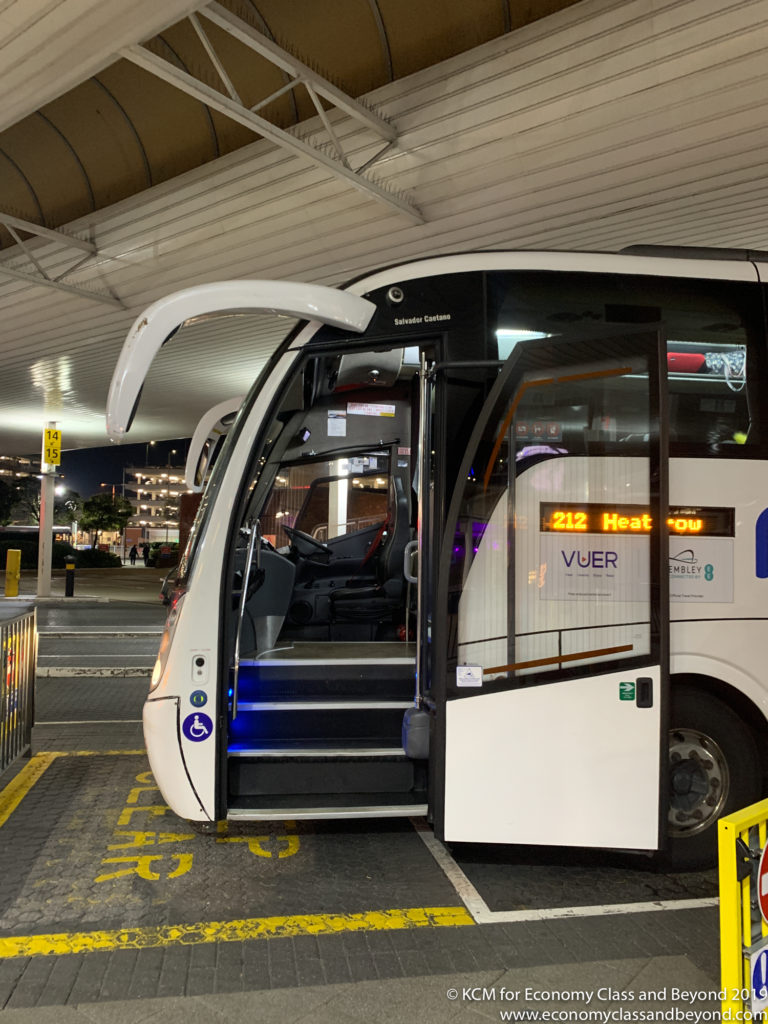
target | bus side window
x=708, y=393
x=714, y=332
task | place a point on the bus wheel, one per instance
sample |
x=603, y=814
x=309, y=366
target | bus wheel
x=714, y=769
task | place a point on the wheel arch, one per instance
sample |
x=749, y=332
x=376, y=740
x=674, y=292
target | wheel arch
x=739, y=702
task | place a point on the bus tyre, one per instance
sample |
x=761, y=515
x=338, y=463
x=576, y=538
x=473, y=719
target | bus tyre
x=714, y=769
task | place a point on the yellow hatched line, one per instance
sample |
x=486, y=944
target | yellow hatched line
x=89, y=753
x=12, y=794
x=62, y=943
x=20, y=785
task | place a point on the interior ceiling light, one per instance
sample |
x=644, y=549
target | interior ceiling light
x=508, y=337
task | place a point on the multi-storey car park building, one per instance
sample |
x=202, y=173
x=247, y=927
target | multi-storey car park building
x=155, y=492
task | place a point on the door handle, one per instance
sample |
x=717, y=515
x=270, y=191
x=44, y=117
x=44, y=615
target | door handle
x=644, y=692
x=410, y=550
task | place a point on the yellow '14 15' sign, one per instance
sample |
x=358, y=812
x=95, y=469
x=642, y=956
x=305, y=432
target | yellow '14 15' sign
x=52, y=446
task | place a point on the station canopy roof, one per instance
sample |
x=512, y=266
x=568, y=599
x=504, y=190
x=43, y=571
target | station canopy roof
x=146, y=147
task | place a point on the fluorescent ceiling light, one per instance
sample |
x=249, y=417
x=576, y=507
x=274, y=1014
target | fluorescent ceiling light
x=508, y=337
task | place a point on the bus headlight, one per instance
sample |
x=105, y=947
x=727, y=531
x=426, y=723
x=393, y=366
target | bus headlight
x=165, y=642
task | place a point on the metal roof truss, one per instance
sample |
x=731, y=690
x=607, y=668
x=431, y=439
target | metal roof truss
x=328, y=154
x=25, y=265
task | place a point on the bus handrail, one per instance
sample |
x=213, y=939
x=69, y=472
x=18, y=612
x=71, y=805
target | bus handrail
x=255, y=531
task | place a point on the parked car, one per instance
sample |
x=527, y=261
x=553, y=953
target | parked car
x=163, y=554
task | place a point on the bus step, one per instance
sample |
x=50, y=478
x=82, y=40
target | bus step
x=259, y=778
x=324, y=705
x=371, y=656
x=329, y=805
x=254, y=728
x=296, y=682
x=317, y=749
x=313, y=670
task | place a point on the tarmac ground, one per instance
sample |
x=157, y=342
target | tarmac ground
x=114, y=910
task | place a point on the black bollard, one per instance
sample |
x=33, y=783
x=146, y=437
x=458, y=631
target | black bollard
x=69, y=580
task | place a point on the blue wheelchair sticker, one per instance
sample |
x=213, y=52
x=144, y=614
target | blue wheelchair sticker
x=760, y=979
x=197, y=727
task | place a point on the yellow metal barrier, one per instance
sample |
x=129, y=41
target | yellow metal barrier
x=12, y=572
x=743, y=929
x=18, y=657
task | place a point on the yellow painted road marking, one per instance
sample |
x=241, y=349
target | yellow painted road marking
x=18, y=787
x=255, y=842
x=89, y=753
x=233, y=931
x=62, y=943
x=12, y=795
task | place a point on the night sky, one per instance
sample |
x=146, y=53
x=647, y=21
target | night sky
x=85, y=469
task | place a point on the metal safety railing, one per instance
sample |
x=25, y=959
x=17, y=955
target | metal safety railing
x=743, y=868
x=18, y=656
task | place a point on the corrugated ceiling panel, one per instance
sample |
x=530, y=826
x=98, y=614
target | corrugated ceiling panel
x=309, y=33
x=115, y=147
x=44, y=50
x=612, y=122
x=452, y=20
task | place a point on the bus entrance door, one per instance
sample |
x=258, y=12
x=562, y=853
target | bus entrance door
x=555, y=596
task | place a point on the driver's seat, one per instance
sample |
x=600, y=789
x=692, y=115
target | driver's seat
x=375, y=602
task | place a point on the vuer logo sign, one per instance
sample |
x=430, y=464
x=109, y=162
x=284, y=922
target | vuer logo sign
x=591, y=559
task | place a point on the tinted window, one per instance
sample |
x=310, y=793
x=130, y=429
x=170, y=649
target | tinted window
x=713, y=330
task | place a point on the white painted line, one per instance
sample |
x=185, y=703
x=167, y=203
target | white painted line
x=482, y=913
x=553, y=913
x=466, y=892
x=95, y=721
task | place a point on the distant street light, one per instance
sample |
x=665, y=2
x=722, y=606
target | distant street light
x=114, y=487
x=149, y=445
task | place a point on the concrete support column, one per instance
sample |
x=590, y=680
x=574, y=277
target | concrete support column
x=45, y=543
x=51, y=458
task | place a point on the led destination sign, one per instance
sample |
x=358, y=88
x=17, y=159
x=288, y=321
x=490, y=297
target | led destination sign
x=562, y=517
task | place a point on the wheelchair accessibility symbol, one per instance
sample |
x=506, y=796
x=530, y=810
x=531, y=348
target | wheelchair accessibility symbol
x=197, y=727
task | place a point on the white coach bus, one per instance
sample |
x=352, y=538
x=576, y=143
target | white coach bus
x=486, y=542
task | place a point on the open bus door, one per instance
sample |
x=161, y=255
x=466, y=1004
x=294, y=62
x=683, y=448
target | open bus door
x=550, y=636
x=206, y=441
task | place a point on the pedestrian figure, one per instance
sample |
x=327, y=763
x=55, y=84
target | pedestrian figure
x=145, y=553
x=133, y=554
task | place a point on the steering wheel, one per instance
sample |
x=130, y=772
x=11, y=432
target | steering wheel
x=304, y=543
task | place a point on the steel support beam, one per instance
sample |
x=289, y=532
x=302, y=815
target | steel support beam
x=275, y=54
x=48, y=233
x=60, y=286
x=333, y=157
x=38, y=274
